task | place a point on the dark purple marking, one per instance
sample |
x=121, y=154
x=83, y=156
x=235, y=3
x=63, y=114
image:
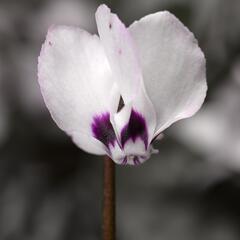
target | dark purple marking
x=136, y=161
x=102, y=129
x=124, y=162
x=136, y=127
x=110, y=25
x=50, y=43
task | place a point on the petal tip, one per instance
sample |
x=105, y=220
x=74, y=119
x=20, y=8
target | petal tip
x=102, y=9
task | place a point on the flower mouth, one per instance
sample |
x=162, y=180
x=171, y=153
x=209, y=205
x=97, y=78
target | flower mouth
x=131, y=147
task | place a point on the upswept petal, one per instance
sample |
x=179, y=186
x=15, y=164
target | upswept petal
x=173, y=67
x=120, y=51
x=76, y=83
x=123, y=59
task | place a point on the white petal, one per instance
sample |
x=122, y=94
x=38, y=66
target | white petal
x=120, y=51
x=76, y=83
x=123, y=59
x=143, y=105
x=173, y=67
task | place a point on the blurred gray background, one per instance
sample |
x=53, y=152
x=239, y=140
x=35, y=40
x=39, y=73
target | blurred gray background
x=51, y=190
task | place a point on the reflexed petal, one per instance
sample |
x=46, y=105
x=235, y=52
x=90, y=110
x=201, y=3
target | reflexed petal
x=76, y=83
x=173, y=67
x=120, y=51
x=123, y=60
x=88, y=143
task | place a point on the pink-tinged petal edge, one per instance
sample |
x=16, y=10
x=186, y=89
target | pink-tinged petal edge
x=173, y=67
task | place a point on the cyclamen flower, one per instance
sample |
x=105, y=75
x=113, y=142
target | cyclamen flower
x=115, y=93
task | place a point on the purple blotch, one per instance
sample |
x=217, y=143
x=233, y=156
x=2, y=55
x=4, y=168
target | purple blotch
x=136, y=127
x=110, y=25
x=102, y=129
x=50, y=43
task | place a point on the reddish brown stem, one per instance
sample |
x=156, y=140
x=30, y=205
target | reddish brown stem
x=109, y=200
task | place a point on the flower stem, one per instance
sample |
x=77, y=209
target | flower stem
x=109, y=200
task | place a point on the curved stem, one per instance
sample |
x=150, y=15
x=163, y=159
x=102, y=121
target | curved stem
x=109, y=200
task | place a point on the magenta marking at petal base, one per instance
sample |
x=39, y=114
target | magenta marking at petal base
x=102, y=129
x=135, y=128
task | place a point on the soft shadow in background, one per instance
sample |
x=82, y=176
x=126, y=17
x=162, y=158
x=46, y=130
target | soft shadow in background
x=51, y=190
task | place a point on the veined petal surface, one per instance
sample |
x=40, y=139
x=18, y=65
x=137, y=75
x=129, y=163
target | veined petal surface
x=76, y=83
x=173, y=67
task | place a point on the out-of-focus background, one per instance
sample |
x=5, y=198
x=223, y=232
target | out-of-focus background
x=51, y=190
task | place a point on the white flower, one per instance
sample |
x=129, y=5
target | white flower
x=155, y=66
